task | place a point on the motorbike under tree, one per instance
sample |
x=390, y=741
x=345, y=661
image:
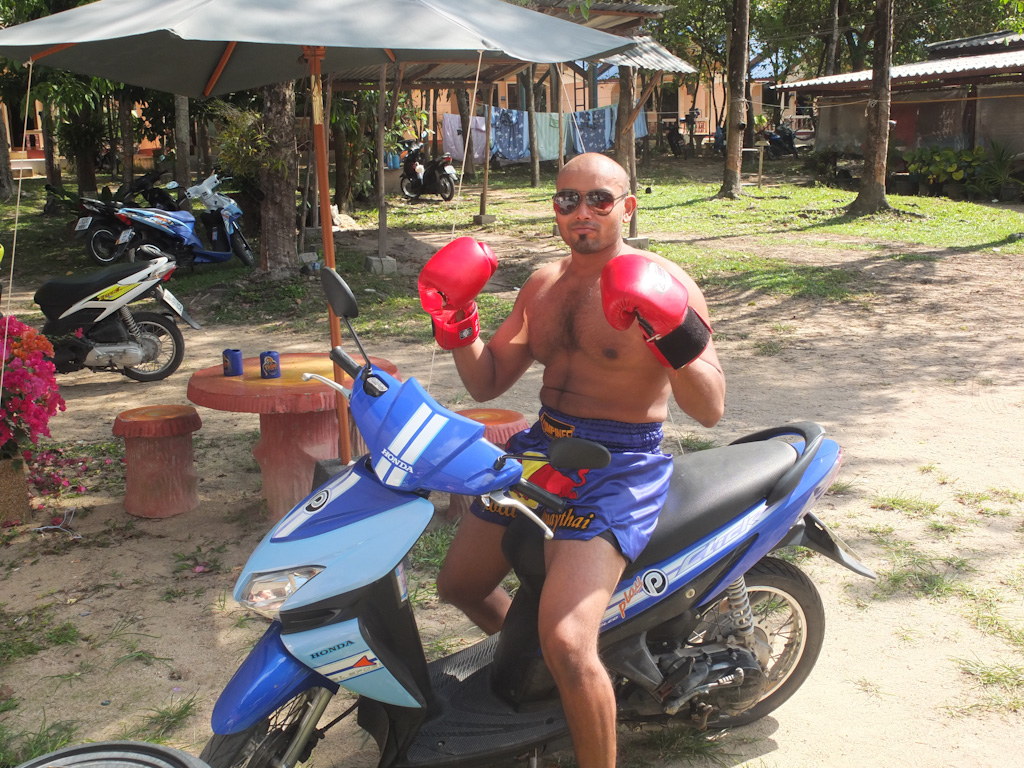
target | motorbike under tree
x=90, y=325
x=426, y=177
x=174, y=232
x=706, y=628
x=99, y=223
x=780, y=142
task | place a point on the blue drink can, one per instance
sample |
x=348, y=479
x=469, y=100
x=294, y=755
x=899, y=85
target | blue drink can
x=270, y=365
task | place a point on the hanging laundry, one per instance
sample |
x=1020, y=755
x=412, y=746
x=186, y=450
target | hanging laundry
x=454, y=143
x=509, y=134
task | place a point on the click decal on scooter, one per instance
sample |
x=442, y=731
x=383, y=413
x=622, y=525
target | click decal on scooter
x=175, y=231
x=706, y=628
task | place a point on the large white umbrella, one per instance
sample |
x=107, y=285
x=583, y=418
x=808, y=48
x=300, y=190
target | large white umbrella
x=207, y=47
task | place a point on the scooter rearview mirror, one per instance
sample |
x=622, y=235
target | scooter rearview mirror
x=343, y=302
x=339, y=295
x=576, y=453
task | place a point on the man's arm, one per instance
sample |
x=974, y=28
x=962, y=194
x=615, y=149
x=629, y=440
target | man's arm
x=673, y=315
x=488, y=370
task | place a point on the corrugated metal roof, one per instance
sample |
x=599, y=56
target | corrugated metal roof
x=613, y=17
x=647, y=54
x=984, y=42
x=1011, y=62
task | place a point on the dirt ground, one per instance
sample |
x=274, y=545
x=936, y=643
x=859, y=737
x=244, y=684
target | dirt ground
x=921, y=381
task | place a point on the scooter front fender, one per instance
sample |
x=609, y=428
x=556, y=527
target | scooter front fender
x=268, y=678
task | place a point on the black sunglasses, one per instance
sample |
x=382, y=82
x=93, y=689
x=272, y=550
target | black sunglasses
x=600, y=201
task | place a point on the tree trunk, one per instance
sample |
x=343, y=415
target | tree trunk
x=734, y=125
x=278, y=180
x=622, y=140
x=181, y=142
x=833, y=39
x=124, y=116
x=531, y=122
x=462, y=99
x=871, y=198
x=7, y=186
x=53, y=177
x=342, y=178
x=203, y=147
x=85, y=159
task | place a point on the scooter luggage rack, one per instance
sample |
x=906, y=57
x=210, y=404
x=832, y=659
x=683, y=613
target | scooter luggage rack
x=474, y=721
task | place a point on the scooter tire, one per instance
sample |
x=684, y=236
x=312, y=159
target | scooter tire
x=116, y=753
x=101, y=245
x=165, y=331
x=770, y=581
x=409, y=187
x=260, y=745
x=446, y=187
x=241, y=248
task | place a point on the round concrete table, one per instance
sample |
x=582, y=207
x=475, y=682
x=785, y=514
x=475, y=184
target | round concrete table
x=298, y=419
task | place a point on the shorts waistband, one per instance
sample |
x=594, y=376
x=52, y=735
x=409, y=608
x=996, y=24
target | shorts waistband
x=616, y=436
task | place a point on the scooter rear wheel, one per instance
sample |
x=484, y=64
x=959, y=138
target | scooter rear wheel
x=263, y=744
x=410, y=187
x=101, y=243
x=788, y=616
x=162, y=339
x=446, y=187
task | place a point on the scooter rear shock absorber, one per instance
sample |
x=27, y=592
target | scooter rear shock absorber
x=129, y=321
x=740, y=615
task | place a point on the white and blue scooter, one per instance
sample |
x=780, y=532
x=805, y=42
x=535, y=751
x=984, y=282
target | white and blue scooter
x=174, y=232
x=706, y=628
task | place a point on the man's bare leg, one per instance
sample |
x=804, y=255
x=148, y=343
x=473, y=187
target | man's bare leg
x=471, y=576
x=581, y=577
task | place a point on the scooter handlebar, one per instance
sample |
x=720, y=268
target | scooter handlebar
x=542, y=496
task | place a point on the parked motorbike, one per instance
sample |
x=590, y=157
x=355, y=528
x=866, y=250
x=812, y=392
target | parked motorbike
x=426, y=177
x=174, y=232
x=705, y=628
x=781, y=142
x=99, y=222
x=90, y=325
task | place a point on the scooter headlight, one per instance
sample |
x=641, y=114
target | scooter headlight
x=266, y=592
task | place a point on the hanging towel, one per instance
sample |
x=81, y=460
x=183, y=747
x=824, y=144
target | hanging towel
x=451, y=134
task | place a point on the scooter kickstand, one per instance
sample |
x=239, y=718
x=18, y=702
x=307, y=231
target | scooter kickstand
x=535, y=759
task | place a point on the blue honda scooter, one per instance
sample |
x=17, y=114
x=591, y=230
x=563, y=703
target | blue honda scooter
x=706, y=627
x=174, y=232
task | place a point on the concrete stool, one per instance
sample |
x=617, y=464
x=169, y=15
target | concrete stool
x=161, y=477
x=499, y=426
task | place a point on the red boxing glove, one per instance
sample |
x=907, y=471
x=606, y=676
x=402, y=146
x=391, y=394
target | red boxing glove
x=449, y=282
x=634, y=287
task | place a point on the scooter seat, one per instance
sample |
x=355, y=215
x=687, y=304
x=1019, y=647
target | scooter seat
x=710, y=488
x=62, y=292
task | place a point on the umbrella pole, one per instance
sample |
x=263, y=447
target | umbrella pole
x=315, y=56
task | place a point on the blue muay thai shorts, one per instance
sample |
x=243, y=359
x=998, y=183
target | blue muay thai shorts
x=620, y=502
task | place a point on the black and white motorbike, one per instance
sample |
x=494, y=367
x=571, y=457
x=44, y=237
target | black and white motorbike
x=90, y=325
x=426, y=177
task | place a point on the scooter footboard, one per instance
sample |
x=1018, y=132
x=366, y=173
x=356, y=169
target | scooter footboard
x=268, y=678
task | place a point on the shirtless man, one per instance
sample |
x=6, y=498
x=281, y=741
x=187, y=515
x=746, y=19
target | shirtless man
x=616, y=340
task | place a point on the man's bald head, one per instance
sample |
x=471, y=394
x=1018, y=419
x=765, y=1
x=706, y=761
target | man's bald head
x=602, y=169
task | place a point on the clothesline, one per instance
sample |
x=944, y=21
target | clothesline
x=510, y=140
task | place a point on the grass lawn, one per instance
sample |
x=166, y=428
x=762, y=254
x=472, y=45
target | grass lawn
x=732, y=243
